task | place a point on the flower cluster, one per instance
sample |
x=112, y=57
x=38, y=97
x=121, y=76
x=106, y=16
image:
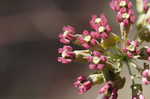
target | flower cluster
x=67, y=54
x=124, y=9
x=97, y=61
x=68, y=35
x=87, y=40
x=107, y=54
x=83, y=84
x=109, y=91
x=101, y=26
x=132, y=49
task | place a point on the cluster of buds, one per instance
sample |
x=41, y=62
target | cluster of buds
x=124, y=9
x=107, y=53
x=97, y=61
x=132, y=49
x=83, y=84
x=101, y=26
x=68, y=35
x=87, y=40
x=67, y=54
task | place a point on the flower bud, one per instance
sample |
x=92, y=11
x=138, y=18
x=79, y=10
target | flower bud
x=67, y=54
x=83, y=84
x=97, y=61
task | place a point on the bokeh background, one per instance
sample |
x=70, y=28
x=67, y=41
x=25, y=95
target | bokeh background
x=28, y=48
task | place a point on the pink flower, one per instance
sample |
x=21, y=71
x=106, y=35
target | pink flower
x=109, y=91
x=79, y=80
x=98, y=21
x=105, y=88
x=87, y=40
x=125, y=13
x=97, y=61
x=148, y=51
x=83, y=84
x=146, y=76
x=85, y=87
x=127, y=17
x=134, y=43
x=146, y=7
x=141, y=97
x=132, y=49
x=100, y=24
x=66, y=54
x=68, y=34
x=116, y=5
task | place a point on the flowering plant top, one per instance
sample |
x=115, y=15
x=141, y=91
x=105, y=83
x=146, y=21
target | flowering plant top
x=107, y=53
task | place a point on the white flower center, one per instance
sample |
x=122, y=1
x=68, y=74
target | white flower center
x=64, y=54
x=131, y=47
x=95, y=77
x=96, y=60
x=66, y=32
x=97, y=20
x=125, y=16
x=87, y=38
x=101, y=29
x=123, y=3
x=133, y=43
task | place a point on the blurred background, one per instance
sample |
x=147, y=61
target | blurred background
x=28, y=48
